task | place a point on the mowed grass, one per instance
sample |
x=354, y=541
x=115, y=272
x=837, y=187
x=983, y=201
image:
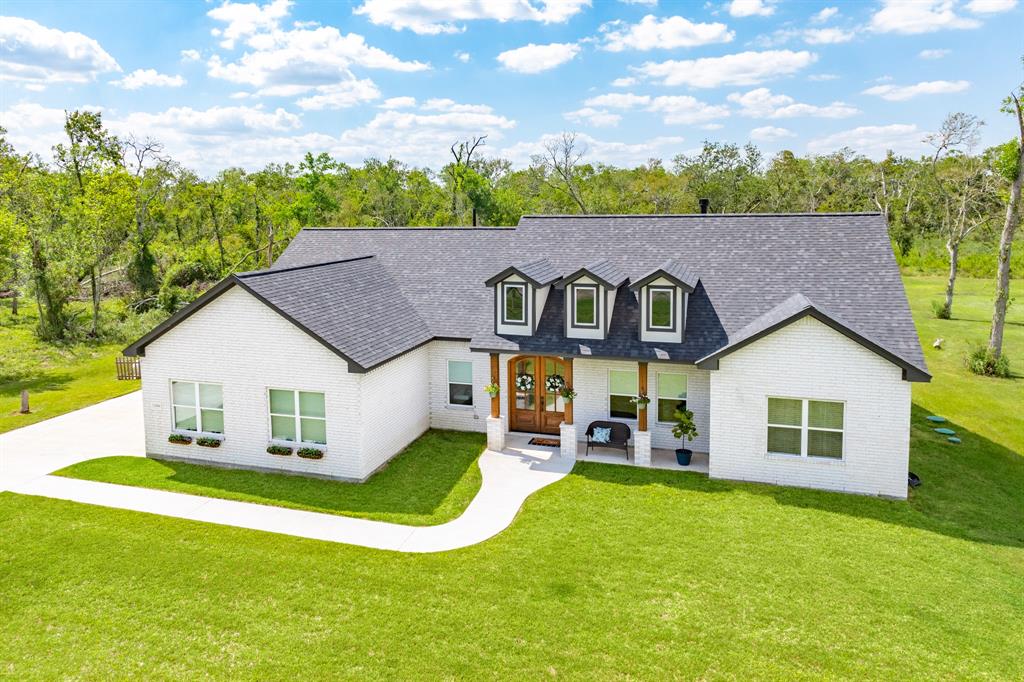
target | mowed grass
x=430, y=482
x=59, y=378
x=611, y=573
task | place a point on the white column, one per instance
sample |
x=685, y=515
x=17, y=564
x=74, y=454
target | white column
x=496, y=433
x=642, y=448
x=567, y=435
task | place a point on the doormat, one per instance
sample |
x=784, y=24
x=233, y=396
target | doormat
x=546, y=442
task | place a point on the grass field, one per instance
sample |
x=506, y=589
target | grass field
x=59, y=378
x=430, y=482
x=613, y=572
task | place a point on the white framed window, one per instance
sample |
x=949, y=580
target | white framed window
x=806, y=428
x=623, y=385
x=661, y=308
x=671, y=395
x=460, y=383
x=197, y=407
x=297, y=416
x=584, y=305
x=513, y=303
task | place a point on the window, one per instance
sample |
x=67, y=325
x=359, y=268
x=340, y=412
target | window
x=197, y=407
x=584, y=305
x=661, y=307
x=671, y=395
x=513, y=303
x=298, y=416
x=807, y=428
x=623, y=385
x=460, y=382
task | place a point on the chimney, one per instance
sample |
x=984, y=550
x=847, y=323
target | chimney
x=704, y=205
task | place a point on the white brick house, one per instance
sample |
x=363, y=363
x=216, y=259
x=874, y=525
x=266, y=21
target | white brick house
x=794, y=358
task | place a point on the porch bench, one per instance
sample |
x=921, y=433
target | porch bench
x=620, y=436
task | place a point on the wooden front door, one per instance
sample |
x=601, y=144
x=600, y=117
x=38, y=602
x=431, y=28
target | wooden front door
x=535, y=409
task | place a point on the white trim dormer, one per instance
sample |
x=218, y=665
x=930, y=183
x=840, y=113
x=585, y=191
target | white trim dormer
x=590, y=300
x=520, y=293
x=664, y=297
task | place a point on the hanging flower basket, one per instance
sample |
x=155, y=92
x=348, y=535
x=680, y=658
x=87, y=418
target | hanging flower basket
x=524, y=382
x=492, y=390
x=568, y=395
x=554, y=383
x=641, y=401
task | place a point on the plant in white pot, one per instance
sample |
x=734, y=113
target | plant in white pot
x=684, y=429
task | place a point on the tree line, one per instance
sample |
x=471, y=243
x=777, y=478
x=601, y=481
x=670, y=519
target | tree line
x=110, y=216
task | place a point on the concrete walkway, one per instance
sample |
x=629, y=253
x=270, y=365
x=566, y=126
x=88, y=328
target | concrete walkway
x=114, y=427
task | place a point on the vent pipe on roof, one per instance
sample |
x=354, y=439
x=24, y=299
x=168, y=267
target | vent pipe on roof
x=705, y=204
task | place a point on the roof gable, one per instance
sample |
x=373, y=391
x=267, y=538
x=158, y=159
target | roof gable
x=539, y=273
x=678, y=273
x=606, y=273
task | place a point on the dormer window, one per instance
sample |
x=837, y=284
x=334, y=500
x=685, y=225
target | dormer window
x=514, y=303
x=664, y=296
x=584, y=305
x=661, y=302
x=590, y=299
x=520, y=292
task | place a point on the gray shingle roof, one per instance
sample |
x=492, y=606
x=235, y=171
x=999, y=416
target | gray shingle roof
x=540, y=272
x=604, y=271
x=681, y=273
x=748, y=265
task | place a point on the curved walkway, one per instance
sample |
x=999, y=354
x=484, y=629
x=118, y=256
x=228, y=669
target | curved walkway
x=114, y=427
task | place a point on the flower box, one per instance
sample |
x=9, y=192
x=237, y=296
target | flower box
x=179, y=439
x=310, y=453
x=208, y=442
x=281, y=450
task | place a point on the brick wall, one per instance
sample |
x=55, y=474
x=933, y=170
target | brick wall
x=396, y=406
x=810, y=360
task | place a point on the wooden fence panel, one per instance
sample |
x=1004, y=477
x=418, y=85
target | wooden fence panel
x=128, y=368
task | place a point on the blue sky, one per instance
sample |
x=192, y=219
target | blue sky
x=236, y=83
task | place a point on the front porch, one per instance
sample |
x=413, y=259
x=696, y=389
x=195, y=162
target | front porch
x=519, y=443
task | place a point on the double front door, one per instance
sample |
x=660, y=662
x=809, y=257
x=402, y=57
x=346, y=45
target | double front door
x=532, y=407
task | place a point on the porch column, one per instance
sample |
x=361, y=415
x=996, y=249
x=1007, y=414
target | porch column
x=642, y=437
x=495, y=424
x=567, y=430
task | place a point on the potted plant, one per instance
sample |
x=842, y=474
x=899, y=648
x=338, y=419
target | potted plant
x=492, y=389
x=641, y=401
x=568, y=395
x=684, y=428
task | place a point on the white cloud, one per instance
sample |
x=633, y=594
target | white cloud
x=617, y=153
x=213, y=121
x=820, y=77
x=900, y=93
x=750, y=8
x=711, y=126
x=761, y=103
x=824, y=15
x=827, y=36
x=190, y=56
x=618, y=100
x=432, y=17
x=744, y=68
x=245, y=19
x=347, y=93
x=627, y=82
x=686, y=110
x=463, y=57
x=668, y=33
x=873, y=141
x=536, y=58
x=922, y=16
x=990, y=6
x=598, y=118
x=451, y=106
x=648, y=3
x=398, y=103
x=770, y=133
x=34, y=53
x=932, y=54
x=148, y=78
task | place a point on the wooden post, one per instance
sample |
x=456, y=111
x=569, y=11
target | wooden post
x=495, y=379
x=24, y=401
x=641, y=415
x=568, y=383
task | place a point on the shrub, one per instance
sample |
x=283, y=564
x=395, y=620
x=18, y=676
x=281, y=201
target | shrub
x=208, y=442
x=940, y=310
x=179, y=438
x=311, y=453
x=279, y=450
x=183, y=274
x=982, y=361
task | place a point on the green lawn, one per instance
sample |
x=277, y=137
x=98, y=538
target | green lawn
x=613, y=572
x=430, y=482
x=59, y=378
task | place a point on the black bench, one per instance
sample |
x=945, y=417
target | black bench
x=620, y=436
